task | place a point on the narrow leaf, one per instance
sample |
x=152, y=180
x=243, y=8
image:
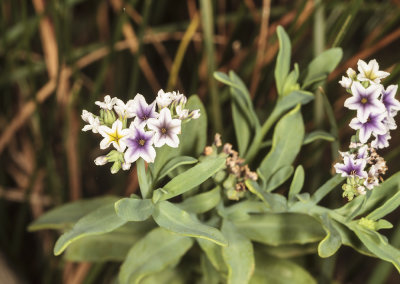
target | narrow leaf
x=191, y=178
x=153, y=253
x=174, y=163
x=101, y=221
x=202, y=202
x=318, y=135
x=239, y=255
x=297, y=182
x=283, y=60
x=130, y=209
x=171, y=217
x=332, y=242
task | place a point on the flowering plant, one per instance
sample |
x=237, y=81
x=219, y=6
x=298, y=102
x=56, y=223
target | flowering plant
x=211, y=210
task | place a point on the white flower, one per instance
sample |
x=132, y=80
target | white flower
x=182, y=113
x=114, y=135
x=126, y=166
x=351, y=73
x=108, y=103
x=178, y=98
x=195, y=114
x=163, y=99
x=370, y=72
x=100, y=161
x=94, y=122
x=166, y=129
x=346, y=82
x=124, y=110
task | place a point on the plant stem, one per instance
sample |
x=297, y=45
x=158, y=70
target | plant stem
x=142, y=177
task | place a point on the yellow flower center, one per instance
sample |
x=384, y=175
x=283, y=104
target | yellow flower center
x=141, y=142
x=364, y=100
x=163, y=130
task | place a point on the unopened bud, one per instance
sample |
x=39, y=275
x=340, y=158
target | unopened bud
x=100, y=161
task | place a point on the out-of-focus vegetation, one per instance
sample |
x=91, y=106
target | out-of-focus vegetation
x=58, y=57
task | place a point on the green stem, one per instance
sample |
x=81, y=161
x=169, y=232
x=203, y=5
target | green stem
x=142, y=177
x=257, y=143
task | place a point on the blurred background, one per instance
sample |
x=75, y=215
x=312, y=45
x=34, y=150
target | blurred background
x=58, y=57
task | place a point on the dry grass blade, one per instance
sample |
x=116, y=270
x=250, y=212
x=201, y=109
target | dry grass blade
x=262, y=43
x=48, y=38
x=26, y=111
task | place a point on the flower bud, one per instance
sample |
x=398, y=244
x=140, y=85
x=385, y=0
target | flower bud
x=100, y=161
x=351, y=73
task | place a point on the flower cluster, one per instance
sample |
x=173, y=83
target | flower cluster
x=376, y=108
x=148, y=127
x=236, y=173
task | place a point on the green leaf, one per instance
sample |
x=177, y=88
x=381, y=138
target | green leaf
x=291, y=84
x=130, y=209
x=202, y=202
x=275, y=202
x=171, y=217
x=376, y=244
x=241, y=210
x=321, y=66
x=194, y=133
x=293, y=99
x=281, y=228
x=389, y=206
x=239, y=255
x=153, y=253
x=297, y=182
x=191, y=178
x=112, y=246
x=65, y=216
x=101, y=221
x=283, y=60
x=279, y=177
x=270, y=270
x=209, y=274
x=332, y=242
x=167, y=276
x=174, y=163
x=289, y=251
x=318, y=135
x=241, y=125
x=143, y=178
x=286, y=143
x=213, y=253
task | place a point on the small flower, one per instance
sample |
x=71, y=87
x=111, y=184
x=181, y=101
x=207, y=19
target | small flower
x=370, y=72
x=126, y=166
x=143, y=111
x=351, y=167
x=351, y=73
x=362, y=152
x=140, y=145
x=108, y=103
x=392, y=105
x=373, y=125
x=346, y=82
x=381, y=141
x=389, y=122
x=372, y=179
x=114, y=135
x=163, y=99
x=94, y=122
x=124, y=110
x=365, y=101
x=194, y=114
x=100, y=161
x=182, y=113
x=166, y=129
x=178, y=98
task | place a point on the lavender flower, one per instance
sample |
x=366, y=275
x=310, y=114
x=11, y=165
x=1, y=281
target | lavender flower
x=140, y=145
x=392, y=105
x=372, y=125
x=143, y=111
x=365, y=101
x=381, y=141
x=165, y=128
x=352, y=167
x=163, y=99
